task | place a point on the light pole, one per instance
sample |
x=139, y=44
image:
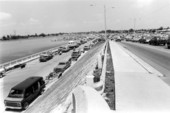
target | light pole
x=105, y=24
x=105, y=20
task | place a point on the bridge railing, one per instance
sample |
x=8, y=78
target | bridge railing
x=10, y=64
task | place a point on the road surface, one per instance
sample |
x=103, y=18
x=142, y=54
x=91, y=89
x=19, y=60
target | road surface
x=63, y=85
x=156, y=56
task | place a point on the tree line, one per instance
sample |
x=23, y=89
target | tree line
x=15, y=37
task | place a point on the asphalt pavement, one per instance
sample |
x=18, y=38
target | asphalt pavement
x=156, y=56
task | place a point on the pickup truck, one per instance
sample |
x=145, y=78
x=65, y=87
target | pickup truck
x=75, y=55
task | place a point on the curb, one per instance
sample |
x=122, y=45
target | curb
x=142, y=63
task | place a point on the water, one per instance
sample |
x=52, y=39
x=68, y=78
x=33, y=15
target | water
x=11, y=50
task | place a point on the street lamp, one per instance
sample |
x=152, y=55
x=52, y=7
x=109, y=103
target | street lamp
x=105, y=20
x=105, y=24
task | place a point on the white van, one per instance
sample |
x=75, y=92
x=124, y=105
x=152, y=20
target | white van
x=72, y=44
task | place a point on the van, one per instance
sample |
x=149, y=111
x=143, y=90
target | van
x=21, y=95
x=73, y=44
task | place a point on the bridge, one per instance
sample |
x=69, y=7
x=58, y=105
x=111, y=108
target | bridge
x=137, y=85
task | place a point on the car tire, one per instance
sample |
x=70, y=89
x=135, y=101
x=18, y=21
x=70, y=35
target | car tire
x=25, y=106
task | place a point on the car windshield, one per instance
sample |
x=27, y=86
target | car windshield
x=16, y=93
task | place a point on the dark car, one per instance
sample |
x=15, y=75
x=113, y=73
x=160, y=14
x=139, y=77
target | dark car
x=2, y=74
x=21, y=95
x=86, y=48
x=75, y=55
x=118, y=40
x=168, y=42
x=45, y=57
x=142, y=40
x=21, y=65
x=157, y=40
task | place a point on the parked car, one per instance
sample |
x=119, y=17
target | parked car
x=45, y=57
x=2, y=74
x=118, y=40
x=168, y=42
x=60, y=68
x=86, y=48
x=65, y=63
x=83, y=41
x=56, y=52
x=21, y=65
x=65, y=49
x=73, y=44
x=157, y=40
x=75, y=55
x=21, y=95
x=58, y=73
x=142, y=40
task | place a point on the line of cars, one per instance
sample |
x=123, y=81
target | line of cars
x=66, y=63
x=24, y=93
x=152, y=40
x=63, y=49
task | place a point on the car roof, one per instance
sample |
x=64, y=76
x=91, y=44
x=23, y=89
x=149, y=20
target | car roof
x=27, y=83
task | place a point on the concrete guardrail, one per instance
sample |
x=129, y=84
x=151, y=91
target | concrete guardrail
x=8, y=65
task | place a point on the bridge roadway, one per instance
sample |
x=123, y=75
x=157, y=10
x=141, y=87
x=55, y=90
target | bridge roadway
x=157, y=56
x=57, y=92
x=137, y=86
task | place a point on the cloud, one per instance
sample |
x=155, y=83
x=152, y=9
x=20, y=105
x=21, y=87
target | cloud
x=33, y=21
x=143, y=3
x=4, y=16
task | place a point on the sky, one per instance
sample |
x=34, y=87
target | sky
x=25, y=17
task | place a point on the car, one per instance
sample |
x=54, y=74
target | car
x=65, y=63
x=65, y=49
x=157, y=40
x=118, y=40
x=168, y=42
x=21, y=95
x=56, y=52
x=60, y=68
x=21, y=65
x=75, y=55
x=45, y=57
x=142, y=40
x=53, y=74
x=83, y=41
x=2, y=74
x=73, y=44
x=86, y=48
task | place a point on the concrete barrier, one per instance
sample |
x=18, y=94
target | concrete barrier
x=99, y=86
x=11, y=64
x=87, y=100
